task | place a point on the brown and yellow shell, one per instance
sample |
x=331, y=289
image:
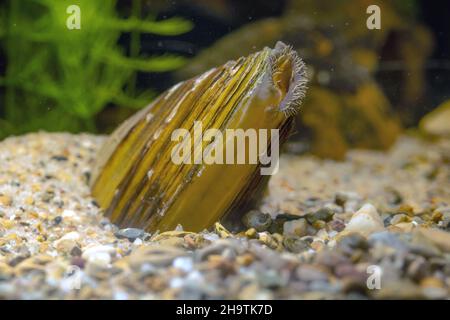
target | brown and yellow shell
x=134, y=179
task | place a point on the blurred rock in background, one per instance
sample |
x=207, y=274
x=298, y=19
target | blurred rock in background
x=345, y=106
x=366, y=85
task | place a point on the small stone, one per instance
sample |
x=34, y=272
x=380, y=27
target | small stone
x=443, y=212
x=287, y=216
x=100, y=259
x=445, y=224
x=311, y=273
x=29, y=201
x=185, y=264
x=65, y=245
x=253, y=291
x=337, y=225
x=6, y=223
x=67, y=242
x=344, y=270
x=60, y=158
x=431, y=282
x=158, y=256
x=387, y=220
x=17, y=260
x=258, y=220
x=324, y=214
x=278, y=237
x=402, y=227
x=245, y=259
x=417, y=269
x=398, y=289
x=130, y=234
x=438, y=237
x=47, y=196
x=76, y=251
x=317, y=245
x=297, y=228
x=251, y=233
x=277, y=225
x=78, y=261
x=57, y=220
x=295, y=244
x=436, y=122
x=353, y=241
x=340, y=198
x=435, y=293
x=417, y=220
x=5, y=201
x=222, y=231
x=347, y=200
x=271, y=279
x=437, y=216
x=68, y=214
x=268, y=240
x=99, y=255
x=419, y=244
x=388, y=239
x=394, y=196
x=406, y=209
x=319, y=224
x=6, y=271
x=365, y=221
x=71, y=236
x=398, y=218
x=229, y=254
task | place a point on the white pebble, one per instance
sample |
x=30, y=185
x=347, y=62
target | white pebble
x=176, y=282
x=68, y=214
x=365, y=221
x=211, y=236
x=99, y=255
x=101, y=259
x=183, y=263
x=71, y=236
x=67, y=242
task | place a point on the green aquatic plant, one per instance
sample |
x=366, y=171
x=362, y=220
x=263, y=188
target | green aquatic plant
x=60, y=79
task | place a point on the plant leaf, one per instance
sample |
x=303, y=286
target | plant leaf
x=152, y=64
x=169, y=27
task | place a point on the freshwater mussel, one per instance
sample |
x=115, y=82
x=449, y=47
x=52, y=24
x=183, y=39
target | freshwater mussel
x=162, y=167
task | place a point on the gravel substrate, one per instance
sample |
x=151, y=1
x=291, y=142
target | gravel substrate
x=324, y=230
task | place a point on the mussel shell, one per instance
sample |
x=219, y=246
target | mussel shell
x=135, y=179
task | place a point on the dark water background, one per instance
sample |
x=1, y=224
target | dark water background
x=212, y=20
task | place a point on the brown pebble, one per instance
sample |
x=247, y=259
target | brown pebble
x=337, y=225
x=319, y=224
x=76, y=251
x=417, y=269
x=245, y=259
x=78, y=261
x=436, y=216
x=406, y=209
x=431, y=282
x=399, y=218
